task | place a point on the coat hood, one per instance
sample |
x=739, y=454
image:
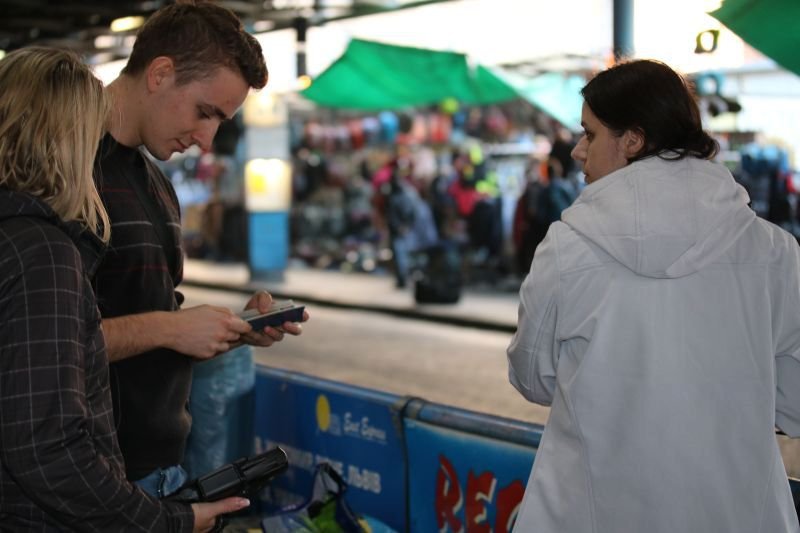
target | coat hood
x=19, y=204
x=662, y=218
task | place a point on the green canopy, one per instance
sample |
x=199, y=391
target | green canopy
x=557, y=94
x=770, y=26
x=375, y=76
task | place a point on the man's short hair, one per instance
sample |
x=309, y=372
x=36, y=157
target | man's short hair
x=199, y=37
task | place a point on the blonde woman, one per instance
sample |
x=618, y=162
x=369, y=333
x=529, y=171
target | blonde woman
x=60, y=464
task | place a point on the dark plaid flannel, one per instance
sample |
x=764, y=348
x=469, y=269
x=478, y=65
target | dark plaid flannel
x=60, y=465
x=150, y=390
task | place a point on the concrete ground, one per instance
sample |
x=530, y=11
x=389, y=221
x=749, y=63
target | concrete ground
x=495, y=311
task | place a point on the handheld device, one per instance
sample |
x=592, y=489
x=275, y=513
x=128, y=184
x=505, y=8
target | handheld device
x=243, y=477
x=279, y=312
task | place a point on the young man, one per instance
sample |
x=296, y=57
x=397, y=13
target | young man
x=191, y=68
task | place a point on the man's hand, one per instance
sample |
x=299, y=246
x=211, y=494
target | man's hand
x=269, y=335
x=205, y=514
x=205, y=331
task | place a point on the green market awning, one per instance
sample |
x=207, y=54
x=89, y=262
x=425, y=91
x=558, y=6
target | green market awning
x=375, y=76
x=770, y=26
x=557, y=94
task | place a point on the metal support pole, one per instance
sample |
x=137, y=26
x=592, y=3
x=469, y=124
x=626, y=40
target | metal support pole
x=623, y=29
x=300, y=26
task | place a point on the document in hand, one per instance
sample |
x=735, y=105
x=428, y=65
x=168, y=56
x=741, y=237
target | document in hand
x=279, y=312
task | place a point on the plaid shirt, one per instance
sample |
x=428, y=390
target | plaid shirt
x=151, y=390
x=60, y=465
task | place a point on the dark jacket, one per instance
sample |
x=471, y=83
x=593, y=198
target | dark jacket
x=60, y=465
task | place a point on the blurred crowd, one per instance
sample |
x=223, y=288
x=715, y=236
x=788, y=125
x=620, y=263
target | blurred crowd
x=407, y=206
x=465, y=205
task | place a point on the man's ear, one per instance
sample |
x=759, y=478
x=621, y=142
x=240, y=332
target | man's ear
x=160, y=73
x=633, y=142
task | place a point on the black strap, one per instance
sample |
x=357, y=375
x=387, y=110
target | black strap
x=160, y=227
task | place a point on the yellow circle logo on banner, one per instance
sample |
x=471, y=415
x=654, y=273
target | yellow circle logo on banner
x=323, y=413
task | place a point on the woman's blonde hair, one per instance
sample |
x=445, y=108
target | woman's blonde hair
x=52, y=115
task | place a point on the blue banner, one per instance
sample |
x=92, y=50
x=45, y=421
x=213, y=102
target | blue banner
x=351, y=428
x=463, y=482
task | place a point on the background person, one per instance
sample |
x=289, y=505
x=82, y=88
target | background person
x=191, y=68
x=60, y=464
x=661, y=320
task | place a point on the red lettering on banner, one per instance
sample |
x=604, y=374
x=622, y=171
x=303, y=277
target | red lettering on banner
x=480, y=497
x=448, y=496
x=480, y=492
x=509, y=500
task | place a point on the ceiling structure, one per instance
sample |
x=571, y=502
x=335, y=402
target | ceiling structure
x=85, y=25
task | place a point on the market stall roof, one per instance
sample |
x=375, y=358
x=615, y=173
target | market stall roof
x=557, y=94
x=375, y=76
x=770, y=26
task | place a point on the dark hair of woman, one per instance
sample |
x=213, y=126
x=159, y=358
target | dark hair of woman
x=649, y=97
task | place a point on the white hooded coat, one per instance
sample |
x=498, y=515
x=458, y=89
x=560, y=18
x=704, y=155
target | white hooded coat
x=661, y=321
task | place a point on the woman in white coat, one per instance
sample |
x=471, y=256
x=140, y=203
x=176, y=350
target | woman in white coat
x=661, y=322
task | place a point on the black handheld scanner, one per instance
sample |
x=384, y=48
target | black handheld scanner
x=243, y=477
